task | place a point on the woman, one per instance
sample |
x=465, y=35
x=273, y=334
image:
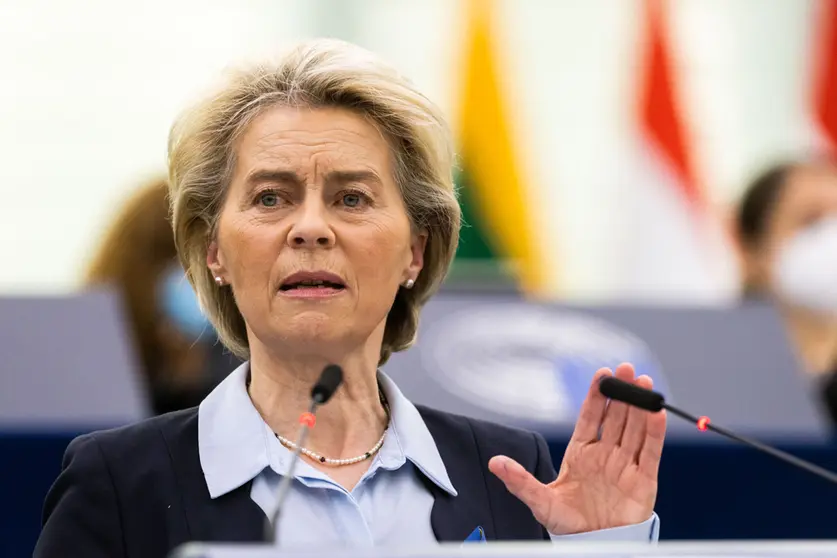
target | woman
x=787, y=230
x=175, y=343
x=314, y=211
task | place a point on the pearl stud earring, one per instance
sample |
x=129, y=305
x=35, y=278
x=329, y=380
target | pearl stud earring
x=409, y=284
x=219, y=280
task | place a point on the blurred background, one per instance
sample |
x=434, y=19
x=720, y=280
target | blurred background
x=663, y=166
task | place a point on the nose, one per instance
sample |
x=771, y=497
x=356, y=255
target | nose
x=311, y=228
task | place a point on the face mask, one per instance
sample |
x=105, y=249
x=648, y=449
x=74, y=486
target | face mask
x=806, y=268
x=180, y=304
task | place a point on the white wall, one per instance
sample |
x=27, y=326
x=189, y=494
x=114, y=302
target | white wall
x=90, y=87
x=89, y=90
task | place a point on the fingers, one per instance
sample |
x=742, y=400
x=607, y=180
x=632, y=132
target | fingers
x=639, y=433
x=592, y=411
x=652, y=445
x=616, y=413
x=634, y=434
x=522, y=484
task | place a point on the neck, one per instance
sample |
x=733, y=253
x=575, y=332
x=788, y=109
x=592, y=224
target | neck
x=815, y=337
x=348, y=425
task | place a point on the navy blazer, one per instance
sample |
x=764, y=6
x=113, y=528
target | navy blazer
x=139, y=491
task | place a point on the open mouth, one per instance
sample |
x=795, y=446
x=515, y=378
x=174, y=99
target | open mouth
x=311, y=284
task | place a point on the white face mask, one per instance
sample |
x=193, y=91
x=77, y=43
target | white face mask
x=805, y=272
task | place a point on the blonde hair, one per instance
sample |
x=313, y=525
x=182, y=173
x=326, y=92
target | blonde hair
x=319, y=73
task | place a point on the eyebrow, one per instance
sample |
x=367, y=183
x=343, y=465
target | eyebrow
x=344, y=177
x=333, y=177
x=286, y=177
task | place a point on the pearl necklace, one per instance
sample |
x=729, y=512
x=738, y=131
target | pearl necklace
x=340, y=462
x=334, y=462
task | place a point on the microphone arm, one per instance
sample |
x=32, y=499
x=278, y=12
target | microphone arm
x=327, y=384
x=654, y=402
x=285, y=484
x=703, y=423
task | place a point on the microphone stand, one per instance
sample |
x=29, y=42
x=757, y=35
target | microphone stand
x=704, y=424
x=654, y=402
x=285, y=484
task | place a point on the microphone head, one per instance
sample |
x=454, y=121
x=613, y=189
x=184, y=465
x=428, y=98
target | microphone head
x=329, y=381
x=619, y=390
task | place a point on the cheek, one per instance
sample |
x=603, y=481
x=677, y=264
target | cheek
x=381, y=255
x=766, y=260
x=250, y=252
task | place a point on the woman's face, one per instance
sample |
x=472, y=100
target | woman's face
x=314, y=238
x=808, y=199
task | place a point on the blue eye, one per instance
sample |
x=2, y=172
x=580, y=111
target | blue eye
x=269, y=199
x=355, y=199
x=352, y=200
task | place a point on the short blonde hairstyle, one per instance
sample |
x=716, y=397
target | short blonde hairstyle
x=319, y=73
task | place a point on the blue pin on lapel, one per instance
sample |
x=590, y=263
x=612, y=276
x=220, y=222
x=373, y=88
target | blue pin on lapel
x=477, y=535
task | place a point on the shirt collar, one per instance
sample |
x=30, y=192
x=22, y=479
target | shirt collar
x=411, y=433
x=232, y=439
x=234, y=443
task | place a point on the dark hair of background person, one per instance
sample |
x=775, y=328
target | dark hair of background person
x=133, y=256
x=756, y=208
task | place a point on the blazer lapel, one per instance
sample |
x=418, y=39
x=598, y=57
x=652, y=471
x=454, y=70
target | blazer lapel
x=233, y=517
x=454, y=518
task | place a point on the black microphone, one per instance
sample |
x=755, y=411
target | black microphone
x=330, y=380
x=620, y=390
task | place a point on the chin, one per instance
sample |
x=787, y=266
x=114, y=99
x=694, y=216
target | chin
x=322, y=329
x=312, y=329
x=319, y=323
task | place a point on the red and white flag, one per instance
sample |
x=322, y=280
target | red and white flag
x=825, y=73
x=671, y=248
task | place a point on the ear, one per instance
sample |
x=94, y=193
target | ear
x=215, y=261
x=417, y=245
x=755, y=263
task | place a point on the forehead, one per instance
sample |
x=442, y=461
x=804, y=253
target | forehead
x=300, y=137
x=811, y=188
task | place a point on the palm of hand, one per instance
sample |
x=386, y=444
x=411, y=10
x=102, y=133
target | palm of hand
x=609, y=474
x=598, y=487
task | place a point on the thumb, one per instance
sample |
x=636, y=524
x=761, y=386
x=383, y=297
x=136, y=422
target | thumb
x=522, y=484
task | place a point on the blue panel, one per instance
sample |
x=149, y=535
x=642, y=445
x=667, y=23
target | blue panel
x=706, y=492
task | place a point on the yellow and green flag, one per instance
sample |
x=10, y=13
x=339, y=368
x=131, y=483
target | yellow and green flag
x=497, y=235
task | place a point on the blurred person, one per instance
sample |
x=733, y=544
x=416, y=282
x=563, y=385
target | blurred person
x=787, y=231
x=175, y=343
x=315, y=213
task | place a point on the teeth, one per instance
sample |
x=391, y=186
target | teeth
x=314, y=284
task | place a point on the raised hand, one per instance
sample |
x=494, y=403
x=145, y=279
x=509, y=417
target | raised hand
x=609, y=474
